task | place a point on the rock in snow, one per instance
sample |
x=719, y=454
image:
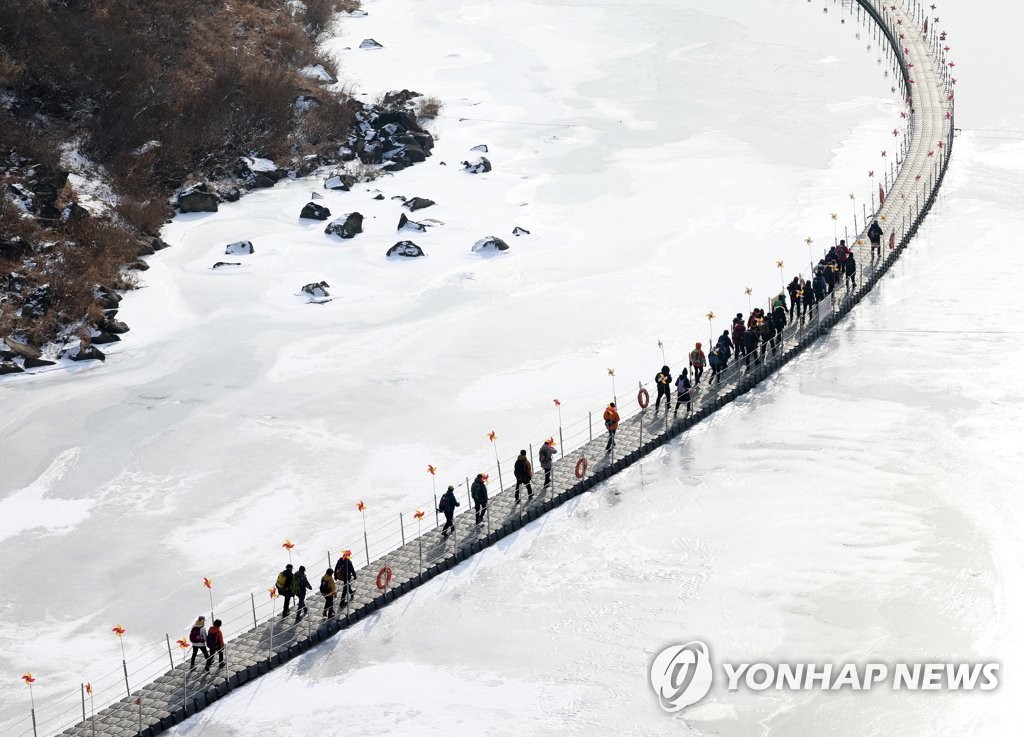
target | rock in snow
x=405, y=249
x=480, y=166
x=317, y=290
x=490, y=244
x=520, y=231
x=342, y=182
x=369, y=43
x=405, y=223
x=418, y=203
x=86, y=353
x=238, y=247
x=347, y=226
x=480, y=148
x=197, y=199
x=222, y=264
x=313, y=211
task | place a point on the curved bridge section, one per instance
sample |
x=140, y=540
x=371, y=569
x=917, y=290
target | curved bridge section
x=916, y=47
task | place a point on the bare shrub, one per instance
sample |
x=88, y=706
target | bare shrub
x=428, y=108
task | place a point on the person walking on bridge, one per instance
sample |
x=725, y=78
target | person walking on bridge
x=300, y=585
x=663, y=381
x=725, y=347
x=345, y=572
x=197, y=638
x=215, y=644
x=750, y=339
x=447, y=507
x=683, y=392
x=697, y=363
x=875, y=236
x=611, y=423
x=717, y=364
x=851, y=271
x=284, y=587
x=794, y=288
x=523, y=471
x=479, y=493
x=738, y=328
x=547, y=457
x=329, y=590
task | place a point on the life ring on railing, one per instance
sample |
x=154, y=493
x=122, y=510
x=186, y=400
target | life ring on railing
x=643, y=398
x=581, y=467
x=384, y=578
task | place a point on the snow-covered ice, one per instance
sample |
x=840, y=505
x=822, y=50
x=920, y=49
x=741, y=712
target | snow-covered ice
x=663, y=157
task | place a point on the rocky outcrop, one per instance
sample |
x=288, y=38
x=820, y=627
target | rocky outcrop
x=418, y=203
x=317, y=290
x=405, y=223
x=238, y=247
x=490, y=244
x=340, y=182
x=480, y=166
x=347, y=226
x=517, y=231
x=369, y=43
x=404, y=249
x=313, y=211
x=84, y=352
x=198, y=198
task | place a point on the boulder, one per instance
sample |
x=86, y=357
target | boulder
x=108, y=298
x=490, y=244
x=14, y=249
x=405, y=223
x=313, y=211
x=480, y=148
x=230, y=194
x=317, y=290
x=87, y=353
x=38, y=363
x=405, y=249
x=195, y=199
x=22, y=349
x=480, y=166
x=369, y=43
x=138, y=265
x=260, y=180
x=399, y=119
x=38, y=301
x=243, y=247
x=110, y=325
x=379, y=197
x=101, y=338
x=73, y=211
x=347, y=226
x=46, y=185
x=221, y=264
x=340, y=182
x=517, y=231
x=418, y=203
x=10, y=367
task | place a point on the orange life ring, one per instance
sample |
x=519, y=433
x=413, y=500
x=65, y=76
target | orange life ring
x=384, y=578
x=643, y=398
x=581, y=467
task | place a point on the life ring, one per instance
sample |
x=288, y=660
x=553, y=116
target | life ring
x=643, y=398
x=581, y=467
x=384, y=578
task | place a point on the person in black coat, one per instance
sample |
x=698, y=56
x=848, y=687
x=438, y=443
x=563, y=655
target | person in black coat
x=794, y=301
x=523, y=471
x=875, y=236
x=820, y=288
x=447, y=507
x=663, y=381
x=851, y=272
x=725, y=347
x=479, y=493
x=750, y=346
x=345, y=572
x=738, y=328
x=683, y=391
x=284, y=587
x=779, y=316
x=300, y=585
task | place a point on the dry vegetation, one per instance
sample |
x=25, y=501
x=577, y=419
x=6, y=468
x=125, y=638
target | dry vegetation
x=210, y=81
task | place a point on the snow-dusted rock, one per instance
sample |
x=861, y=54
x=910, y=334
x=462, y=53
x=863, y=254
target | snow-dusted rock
x=15, y=248
x=378, y=196
x=480, y=148
x=9, y=367
x=317, y=72
x=317, y=290
x=84, y=352
x=418, y=203
x=73, y=211
x=222, y=264
x=313, y=211
x=405, y=223
x=111, y=325
x=480, y=166
x=405, y=249
x=22, y=349
x=38, y=363
x=347, y=226
x=341, y=182
x=517, y=231
x=100, y=337
x=369, y=43
x=197, y=199
x=237, y=247
x=490, y=244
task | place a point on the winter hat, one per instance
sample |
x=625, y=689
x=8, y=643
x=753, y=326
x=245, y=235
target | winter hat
x=200, y=618
x=698, y=345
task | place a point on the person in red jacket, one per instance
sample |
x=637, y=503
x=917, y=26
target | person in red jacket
x=697, y=362
x=611, y=422
x=215, y=644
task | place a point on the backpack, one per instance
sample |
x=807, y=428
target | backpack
x=282, y=581
x=196, y=636
x=324, y=588
x=545, y=454
x=211, y=640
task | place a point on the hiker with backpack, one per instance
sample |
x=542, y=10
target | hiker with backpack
x=875, y=236
x=716, y=362
x=683, y=392
x=284, y=587
x=663, y=381
x=345, y=572
x=794, y=288
x=523, y=471
x=738, y=329
x=750, y=338
x=329, y=591
x=479, y=493
x=697, y=363
x=300, y=585
x=447, y=507
x=546, y=454
x=197, y=638
x=215, y=644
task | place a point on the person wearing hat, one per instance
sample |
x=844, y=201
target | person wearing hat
x=215, y=643
x=197, y=638
x=345, y=572
x=300, y=585
x=546, y=455
x=523, y=471
x=663, y=381
x=697, y=362
x=284, y=587
x=447, y=507
x=611, y=422
x=329, y=590
x=738, y=328
x=683, y=392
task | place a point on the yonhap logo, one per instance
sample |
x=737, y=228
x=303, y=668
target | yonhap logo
x=681, y=675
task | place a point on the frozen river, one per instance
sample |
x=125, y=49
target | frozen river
x=860, y=506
